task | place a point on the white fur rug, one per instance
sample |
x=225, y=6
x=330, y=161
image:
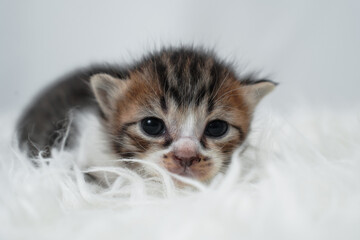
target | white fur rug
x=298, y=179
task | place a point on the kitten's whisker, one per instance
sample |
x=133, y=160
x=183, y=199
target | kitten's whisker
x=231, y=90
x=226, y=94
x=217, y=91
x=233, y=108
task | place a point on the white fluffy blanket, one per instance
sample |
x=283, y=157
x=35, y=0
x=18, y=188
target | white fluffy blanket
x=298, y=179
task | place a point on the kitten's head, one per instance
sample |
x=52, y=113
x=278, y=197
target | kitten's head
x=181, y=109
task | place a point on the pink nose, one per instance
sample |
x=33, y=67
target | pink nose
x=186, y=151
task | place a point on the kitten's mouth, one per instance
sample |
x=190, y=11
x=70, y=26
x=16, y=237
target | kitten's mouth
x=184, y=172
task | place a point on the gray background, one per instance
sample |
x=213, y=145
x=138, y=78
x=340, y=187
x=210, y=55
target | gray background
x=310, y=47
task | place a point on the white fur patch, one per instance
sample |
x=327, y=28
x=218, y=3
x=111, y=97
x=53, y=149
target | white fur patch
x=188, y=127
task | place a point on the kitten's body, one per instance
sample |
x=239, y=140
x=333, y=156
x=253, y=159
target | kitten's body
x=180, y=108
x=42, y=126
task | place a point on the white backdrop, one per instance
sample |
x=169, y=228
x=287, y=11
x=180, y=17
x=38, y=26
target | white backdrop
x=310, y=47
x=307, y=162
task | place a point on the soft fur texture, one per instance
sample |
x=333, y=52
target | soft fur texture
x=297, y=178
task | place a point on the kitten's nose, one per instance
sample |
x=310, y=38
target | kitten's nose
x=186, y=152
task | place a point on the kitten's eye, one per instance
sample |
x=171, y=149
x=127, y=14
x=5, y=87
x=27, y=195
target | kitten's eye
x=216, y=128
x=153, y=126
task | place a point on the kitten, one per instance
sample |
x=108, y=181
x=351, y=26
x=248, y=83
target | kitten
x=181, y=108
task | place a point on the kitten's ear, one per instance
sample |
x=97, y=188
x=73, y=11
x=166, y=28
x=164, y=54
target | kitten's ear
x=254, y=92
x=107, y=90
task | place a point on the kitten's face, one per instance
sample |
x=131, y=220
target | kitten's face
x=179, y=109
